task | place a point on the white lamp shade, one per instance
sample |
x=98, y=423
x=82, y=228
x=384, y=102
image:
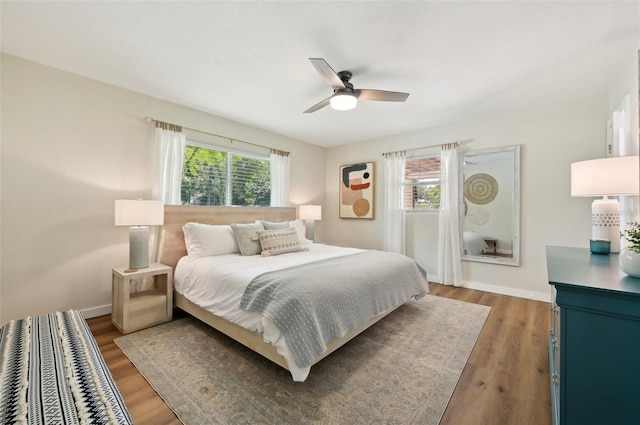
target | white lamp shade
x=343, y=101
x=310, y=212
x=139, y=212
x=614, y=176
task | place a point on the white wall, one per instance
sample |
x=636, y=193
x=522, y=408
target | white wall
x=70, y=147
x=552, y=137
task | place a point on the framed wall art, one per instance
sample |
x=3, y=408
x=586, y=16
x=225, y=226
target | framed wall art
x=357, y=190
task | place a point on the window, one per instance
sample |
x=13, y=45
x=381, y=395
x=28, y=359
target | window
x=422, y=183
x=218, y=177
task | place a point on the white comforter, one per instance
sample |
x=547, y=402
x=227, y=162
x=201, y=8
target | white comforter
x=217, y=284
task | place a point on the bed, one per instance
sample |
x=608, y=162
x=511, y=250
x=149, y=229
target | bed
x=473, y=243
x=52, y=372
x=296, y=302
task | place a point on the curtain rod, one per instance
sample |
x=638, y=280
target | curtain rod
x=459, y=142
x=230, y=139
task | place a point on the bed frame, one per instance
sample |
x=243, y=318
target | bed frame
x=174, y=248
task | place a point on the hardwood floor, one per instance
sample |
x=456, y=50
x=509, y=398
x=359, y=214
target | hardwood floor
x=505, y=381
x=144, y=404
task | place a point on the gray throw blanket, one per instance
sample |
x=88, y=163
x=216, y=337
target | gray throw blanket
x=317, y=302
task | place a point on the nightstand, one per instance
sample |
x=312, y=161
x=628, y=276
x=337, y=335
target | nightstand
x=492, y=246
x=134, y=311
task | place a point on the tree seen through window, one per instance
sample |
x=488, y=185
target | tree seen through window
x=215, y=177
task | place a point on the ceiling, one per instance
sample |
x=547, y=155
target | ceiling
x=248, y=60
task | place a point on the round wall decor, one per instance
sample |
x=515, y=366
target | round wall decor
x=478, y=215
x=480, y=188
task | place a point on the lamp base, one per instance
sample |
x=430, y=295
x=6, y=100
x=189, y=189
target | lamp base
x=138, y=247
x=605, y=222
x=309, y=226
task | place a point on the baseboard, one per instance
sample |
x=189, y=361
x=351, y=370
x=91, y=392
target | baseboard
x=502, y=290
x=96, y=311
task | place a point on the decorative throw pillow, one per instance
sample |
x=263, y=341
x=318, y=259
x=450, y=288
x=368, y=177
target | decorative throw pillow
x=296, y=224
x=204, y=240
x=276, y=242
x=246, y=236
x=269, y=225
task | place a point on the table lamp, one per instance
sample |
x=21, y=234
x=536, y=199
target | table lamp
x=614, y=176
x=139, y=215
x=309, y=213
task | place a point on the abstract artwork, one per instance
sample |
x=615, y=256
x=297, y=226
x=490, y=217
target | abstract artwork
x=357, y=190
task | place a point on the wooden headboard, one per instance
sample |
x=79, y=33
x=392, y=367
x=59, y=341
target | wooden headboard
x=175, y=216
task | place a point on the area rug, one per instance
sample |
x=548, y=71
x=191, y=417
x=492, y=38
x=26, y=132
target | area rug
x=402, y=370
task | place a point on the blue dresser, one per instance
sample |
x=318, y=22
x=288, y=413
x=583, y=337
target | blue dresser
x=594, y=344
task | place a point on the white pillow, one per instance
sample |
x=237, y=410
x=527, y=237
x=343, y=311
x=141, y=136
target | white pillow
x=299, y=226
x=205, y=240
x=296, y=224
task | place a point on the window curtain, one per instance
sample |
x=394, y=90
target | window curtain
x=170, y=145
x=394, y=223
x=280, y=165
x=449, y=265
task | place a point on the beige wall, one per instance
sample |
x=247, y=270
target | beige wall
x=70, y=147
x=551, y=138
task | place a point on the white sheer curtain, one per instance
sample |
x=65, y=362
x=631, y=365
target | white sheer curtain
x=449, y=266
x=394, y=223
x=280, y=169
x=170, y=144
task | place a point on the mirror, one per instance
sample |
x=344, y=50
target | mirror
x=490, y=216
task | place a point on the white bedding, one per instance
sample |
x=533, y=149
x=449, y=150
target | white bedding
x=217, y=284
x=473, y=243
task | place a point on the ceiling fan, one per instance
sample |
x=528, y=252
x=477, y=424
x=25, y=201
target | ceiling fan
x=344, y=96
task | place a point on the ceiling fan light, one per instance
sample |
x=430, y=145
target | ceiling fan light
x=343, y=101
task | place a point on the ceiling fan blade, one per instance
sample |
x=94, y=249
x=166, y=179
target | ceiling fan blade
x=319, y=105
x=327, y=72
x=389, y=96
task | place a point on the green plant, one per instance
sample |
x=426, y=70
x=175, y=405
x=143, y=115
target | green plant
x=633, y=237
